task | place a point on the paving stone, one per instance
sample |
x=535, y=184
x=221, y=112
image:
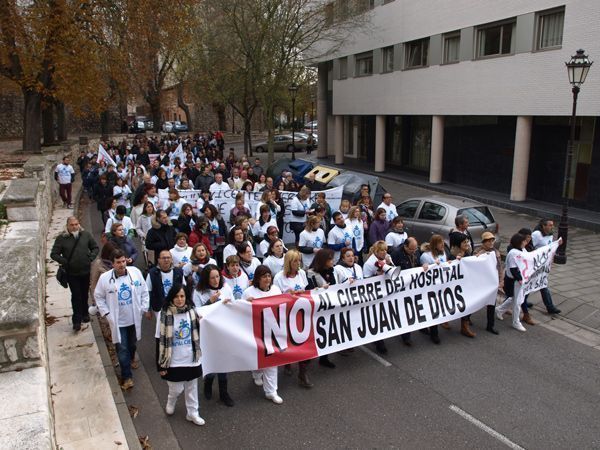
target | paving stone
x=561, y=327
x=586, y=337
x=581, y=313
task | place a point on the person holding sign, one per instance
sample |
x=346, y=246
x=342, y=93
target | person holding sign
x=292, y=280
x=487, y=246
x=262, y=286
x=512, y=282
x=542, y=235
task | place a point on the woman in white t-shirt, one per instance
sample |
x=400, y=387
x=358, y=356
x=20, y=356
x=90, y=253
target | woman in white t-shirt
x=122, y=192
x=396, y=235
x=199, y=258
x=234, y=277
x=292, y=280
x=211, y=289
x=248, y=263
x=182, y=252
x=311, y=240
x=275, y=256
x=261, y=226
x=434, y=252
x=347, y=269
x=357, y=231
x=178, y=359
x=513, y=281
x=262, y=286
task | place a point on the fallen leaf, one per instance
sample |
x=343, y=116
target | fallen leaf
x=133, y=411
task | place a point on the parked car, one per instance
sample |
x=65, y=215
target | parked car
x=282, y=143
x=180, y=127
x=167, y=127
x=305, y=137
x=137, y=126
x=308, y=129
x=424, y=216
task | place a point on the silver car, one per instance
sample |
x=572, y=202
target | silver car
x=282, y=143
x=424, y=216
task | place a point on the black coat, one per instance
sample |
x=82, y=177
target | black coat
x=160, y=237
x=83, y=255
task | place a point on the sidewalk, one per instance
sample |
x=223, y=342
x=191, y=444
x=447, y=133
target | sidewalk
x=85, y=413
x=575, y=287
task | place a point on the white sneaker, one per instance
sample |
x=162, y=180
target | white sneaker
x=499, y=315
x=519, y=327
x=258, y=381
x=274, y=398
x=196, y=419
x=170, y=408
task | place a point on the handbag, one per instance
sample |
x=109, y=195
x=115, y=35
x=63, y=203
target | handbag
x=61, y=273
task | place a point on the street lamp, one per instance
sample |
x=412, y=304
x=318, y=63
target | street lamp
x=293, y=90
x=312, y=112
x=578, y=68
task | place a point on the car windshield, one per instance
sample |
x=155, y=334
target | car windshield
x=478, y=215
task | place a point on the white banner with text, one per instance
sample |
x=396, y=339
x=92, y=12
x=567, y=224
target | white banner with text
x=284, y=329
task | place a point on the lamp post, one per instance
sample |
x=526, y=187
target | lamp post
x=312, y=113
x=578, y=68
x=293, y=90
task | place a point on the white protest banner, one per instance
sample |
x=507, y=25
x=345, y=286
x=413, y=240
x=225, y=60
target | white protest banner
x=535, y=267
x=224, y=201
x=178, y=153
x=104, y=156
x=284, y=329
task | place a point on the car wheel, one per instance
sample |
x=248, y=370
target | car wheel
x=259, y=149
x=290, y=148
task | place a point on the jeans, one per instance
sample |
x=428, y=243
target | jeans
x=126, y=350
x=79, y=286
x=547, y=299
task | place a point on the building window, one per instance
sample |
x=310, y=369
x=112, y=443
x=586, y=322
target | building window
x=550, y=29
x=495, y=39
x=388, y=59
x=343, y=68
x=416, y=53
x=364, y=64
x=451, y=47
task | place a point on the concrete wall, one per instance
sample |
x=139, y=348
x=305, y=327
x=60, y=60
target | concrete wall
x=29, y=202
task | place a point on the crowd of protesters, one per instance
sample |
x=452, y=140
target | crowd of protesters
x=192, y=256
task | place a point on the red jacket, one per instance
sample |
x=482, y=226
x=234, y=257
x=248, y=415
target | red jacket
x=196, y=237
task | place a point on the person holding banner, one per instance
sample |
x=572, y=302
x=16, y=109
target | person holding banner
x=262, y=286
x=542, y=235
x=292, y=280
x=300, y=208
x=321, y=274
x=487, y=246
x=178, y=358
x=512, y=283
x=378, y=263
x=434, y=252
x=461, y=247
x=212, y=289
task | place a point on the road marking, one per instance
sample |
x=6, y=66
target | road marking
x=479, y=424
x=375, y=356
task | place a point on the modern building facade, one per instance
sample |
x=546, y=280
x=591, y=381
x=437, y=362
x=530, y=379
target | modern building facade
x=473, y=92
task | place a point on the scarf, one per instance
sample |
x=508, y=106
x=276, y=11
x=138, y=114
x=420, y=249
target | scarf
x=165, y=342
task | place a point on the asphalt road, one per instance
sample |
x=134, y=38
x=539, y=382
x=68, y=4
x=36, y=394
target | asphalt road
x=532, y=390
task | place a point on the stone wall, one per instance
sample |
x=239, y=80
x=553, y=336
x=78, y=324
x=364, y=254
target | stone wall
x=28, y=202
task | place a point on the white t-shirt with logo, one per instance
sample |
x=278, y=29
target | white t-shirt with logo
x=296, y=283
x=64, y=172
x=394, y=239
x=125, y=298
x=181, y=255
x=339, y=235
x=314, y=239
x=237, y=284
x=343, y=273
x=182, y=353
x=274, y=263
x=251, y=269
x=201, y=298
x=357, y=232
x=390, y=211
